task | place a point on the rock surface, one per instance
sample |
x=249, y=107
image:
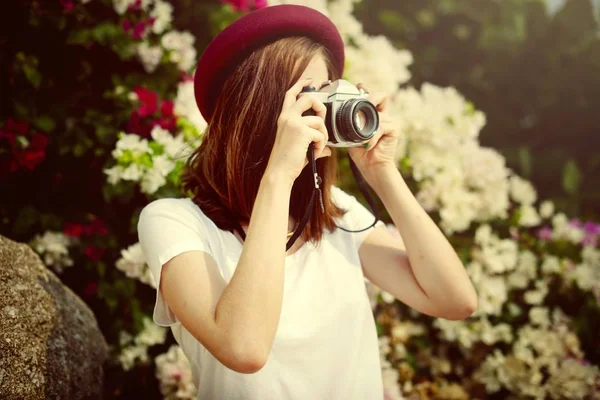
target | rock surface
x=50, y=344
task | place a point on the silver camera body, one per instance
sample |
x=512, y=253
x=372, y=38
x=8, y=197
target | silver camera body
x=351, y=119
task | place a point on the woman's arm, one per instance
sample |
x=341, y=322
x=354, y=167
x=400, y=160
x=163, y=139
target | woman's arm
x=422, y=269
x=242, y=329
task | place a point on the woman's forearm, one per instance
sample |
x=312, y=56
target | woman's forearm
x=435, y=264
x=249, y=308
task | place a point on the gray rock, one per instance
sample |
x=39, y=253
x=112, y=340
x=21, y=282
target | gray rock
x=50, y=344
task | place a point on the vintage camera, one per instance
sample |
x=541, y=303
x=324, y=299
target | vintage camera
x=351, y=119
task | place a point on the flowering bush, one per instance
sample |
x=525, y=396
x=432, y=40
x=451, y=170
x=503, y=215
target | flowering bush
x=118, y=138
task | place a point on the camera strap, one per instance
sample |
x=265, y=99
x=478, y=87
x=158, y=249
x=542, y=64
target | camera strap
x=319, y=194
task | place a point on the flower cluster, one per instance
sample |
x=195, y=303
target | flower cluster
x=174, y=373
x=150, y=163
x=133, y=264
x=456, y=176
x=20, y=147
x=53, y=248
x=135, y=349
x=150, y=112
x=148, y=22
x=545, y=361
x=246, y=5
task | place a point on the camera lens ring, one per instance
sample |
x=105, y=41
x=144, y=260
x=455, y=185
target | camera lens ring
x=348, y=125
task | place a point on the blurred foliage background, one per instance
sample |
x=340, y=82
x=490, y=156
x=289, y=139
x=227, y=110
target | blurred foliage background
x=534, y=70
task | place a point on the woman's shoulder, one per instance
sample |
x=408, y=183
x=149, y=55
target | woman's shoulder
x=173, y=208
x=341, y=198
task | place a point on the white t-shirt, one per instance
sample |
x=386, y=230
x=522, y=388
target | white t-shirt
x=326, y=343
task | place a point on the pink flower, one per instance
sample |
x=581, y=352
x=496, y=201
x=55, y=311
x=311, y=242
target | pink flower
x=545, y=233
x=94, y=253
x=34, y=152
x=245, y=5
x=148, y=101
x=67, y=4
x=138, y=30
x=73, y=230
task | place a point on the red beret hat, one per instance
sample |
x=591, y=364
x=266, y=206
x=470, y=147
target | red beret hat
x=233, y=44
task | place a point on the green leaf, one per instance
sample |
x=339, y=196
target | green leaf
x=157, y=148
x=33, y=75
x=80, y=37
x=571, y=179
x=103, y=33
x=45, y=123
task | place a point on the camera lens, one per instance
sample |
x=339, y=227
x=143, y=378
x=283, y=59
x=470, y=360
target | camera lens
x=360, y=120
x=357, y=120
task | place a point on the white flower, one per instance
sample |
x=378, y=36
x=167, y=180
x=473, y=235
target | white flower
x=174, y=146
x=459, y=331
x=340, y=12
x=149, y=55
x=114, y=174
x=483, y=235
x=378, y=64
x=551, y=265
x=488, y=371
x=121, y=6
x=539, y=316
x=137, y=349
x=522, y=191
x=562, y=230
x=53, y=248
x=498, y=255
x=185, y=105
x=546, y=209
x=163, y=15
x=131, y=142
x=492, y=295
x=585, y=276
x=133, y=264
x=181, y=46
x=483, y=166
x=536, y=297
x=132, y=173
x=529, y=216
x=492, y=334
x=153, y=180
x=174, y=373
x=151, y=334
x=573, y=380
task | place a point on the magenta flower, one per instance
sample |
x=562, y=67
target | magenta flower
x=246, y=5
x=67, y=4
x=545, y=233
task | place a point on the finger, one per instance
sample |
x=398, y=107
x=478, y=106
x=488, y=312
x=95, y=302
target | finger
x=380, y=100
x=316, y=137
x=317, y=123
x=292, y=94
x=326, y=153
x=375, y=139
x=307, y=102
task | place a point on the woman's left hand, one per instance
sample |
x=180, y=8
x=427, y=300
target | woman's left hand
x=380, y=151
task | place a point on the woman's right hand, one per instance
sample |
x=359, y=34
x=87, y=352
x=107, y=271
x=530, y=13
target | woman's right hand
x=296, y=132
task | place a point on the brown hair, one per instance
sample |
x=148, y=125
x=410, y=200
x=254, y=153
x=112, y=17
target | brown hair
x=223, y=175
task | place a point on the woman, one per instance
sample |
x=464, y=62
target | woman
x=255, y=321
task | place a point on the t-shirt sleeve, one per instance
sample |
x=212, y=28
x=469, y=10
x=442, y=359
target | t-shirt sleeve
x=357, y=216
x=167, y=228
